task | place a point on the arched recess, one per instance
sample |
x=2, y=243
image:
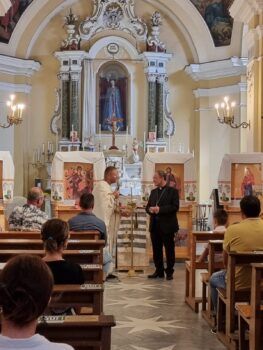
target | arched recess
x=189, y=22
x=92, y=69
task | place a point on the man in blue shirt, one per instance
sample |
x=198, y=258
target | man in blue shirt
x=86, y=221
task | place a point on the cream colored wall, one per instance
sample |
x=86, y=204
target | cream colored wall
x=191, y=128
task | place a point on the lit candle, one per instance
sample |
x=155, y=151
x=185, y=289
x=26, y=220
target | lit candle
x=43, y=148
x=38, y=154
x=100, y=132
x=127, y=132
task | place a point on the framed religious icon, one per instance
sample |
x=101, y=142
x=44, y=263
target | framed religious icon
x=245, y=180
x=78, y=178
x=112, y=97
x=174, y=176
x=1, y=179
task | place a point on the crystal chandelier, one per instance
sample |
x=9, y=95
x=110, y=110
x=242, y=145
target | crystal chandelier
x=14, y=114
x=225, y=114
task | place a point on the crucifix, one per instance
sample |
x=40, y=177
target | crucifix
x=113, y=123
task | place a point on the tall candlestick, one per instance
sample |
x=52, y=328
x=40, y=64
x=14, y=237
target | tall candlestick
x=169, y=143
x=43, y=148
x=144, y=141
x=127, y=132
x=155, y=130
x=100, y=132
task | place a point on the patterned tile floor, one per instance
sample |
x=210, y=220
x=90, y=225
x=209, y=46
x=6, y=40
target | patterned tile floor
x=152, y=315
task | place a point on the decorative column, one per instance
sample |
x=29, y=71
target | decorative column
x=251, y=14
x=151, y=102
x=64, y=78
x=160, y=106
x=75, y=78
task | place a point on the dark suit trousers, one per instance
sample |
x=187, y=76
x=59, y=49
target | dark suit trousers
x=160, y=239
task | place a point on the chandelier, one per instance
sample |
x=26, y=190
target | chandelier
x=14, y=114
x=225, y=114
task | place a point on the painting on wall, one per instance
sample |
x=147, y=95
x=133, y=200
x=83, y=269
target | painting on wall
x=174, y=175
x=112, y=94
x=11, y=18
x=245, y=180
x=217, y=18
x=1, y=179
x=78, y=178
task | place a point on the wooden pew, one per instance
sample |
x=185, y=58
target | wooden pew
x=93, y=273
x=214, y=246
x=81, y=332
x=73, y=295
x=251, y=316
x=226, y=324
x=36, y=235
x=77, y=256
x=73, y=244
x=192, y=265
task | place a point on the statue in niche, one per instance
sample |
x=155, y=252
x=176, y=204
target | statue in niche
x=112, y=95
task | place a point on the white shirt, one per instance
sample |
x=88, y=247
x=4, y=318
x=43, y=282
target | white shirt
x=37, y=341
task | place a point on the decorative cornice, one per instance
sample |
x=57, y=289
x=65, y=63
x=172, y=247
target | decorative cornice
x=234, y=66
x=245, y=10
x=18, y=66
x=9, y=87
x=219, y=91
x=4, y=6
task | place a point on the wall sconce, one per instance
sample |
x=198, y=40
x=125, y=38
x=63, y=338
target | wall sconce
x=225, y=114
x=14, y=116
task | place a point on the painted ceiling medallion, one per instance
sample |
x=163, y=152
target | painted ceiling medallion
x=113, y=15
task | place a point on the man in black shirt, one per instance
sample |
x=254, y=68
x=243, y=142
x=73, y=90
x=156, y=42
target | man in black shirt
x=162, y=207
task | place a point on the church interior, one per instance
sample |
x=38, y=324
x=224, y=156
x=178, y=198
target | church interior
x=145, y=86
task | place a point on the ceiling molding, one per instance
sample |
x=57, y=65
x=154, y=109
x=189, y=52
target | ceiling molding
x=218, y=91
x=18, y=66
x=15, y=88
x=234, y=66
x=244, y=10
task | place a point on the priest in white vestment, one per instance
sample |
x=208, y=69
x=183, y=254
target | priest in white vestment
x=105, y=203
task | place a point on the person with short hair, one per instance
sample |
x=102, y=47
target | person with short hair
x=29, y=217
x=244, y=236
x=220, y=217
x=105, y=201
x=162, y=207
x=55, y=235
x=86, y=220
x=25, y=288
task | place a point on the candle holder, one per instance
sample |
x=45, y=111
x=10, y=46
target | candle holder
x=131, y=206
x=14, y=117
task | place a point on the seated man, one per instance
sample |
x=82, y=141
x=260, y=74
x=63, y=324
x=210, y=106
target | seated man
x=220, y=217
x=86, y=221
x=244, y=236
x=29, y=217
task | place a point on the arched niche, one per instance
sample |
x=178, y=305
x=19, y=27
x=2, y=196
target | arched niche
x=113, y=96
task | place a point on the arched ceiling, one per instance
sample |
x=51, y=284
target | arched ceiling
x=185, y=13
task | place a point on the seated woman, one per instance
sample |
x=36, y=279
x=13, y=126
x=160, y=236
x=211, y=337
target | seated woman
x=55, y=234
x=25, y=287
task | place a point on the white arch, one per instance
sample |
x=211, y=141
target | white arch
x=182, y=12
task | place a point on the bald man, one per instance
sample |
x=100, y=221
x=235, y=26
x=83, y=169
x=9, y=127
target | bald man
x=29, y=217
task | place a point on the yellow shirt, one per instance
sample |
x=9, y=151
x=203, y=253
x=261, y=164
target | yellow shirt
x=245, y=236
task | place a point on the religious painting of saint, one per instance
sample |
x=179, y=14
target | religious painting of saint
x=78, y=178
x=112, y=96
x=245, y=180
x=174, y=176
x=11, y=18
x=1, y=179
x=217, y=18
